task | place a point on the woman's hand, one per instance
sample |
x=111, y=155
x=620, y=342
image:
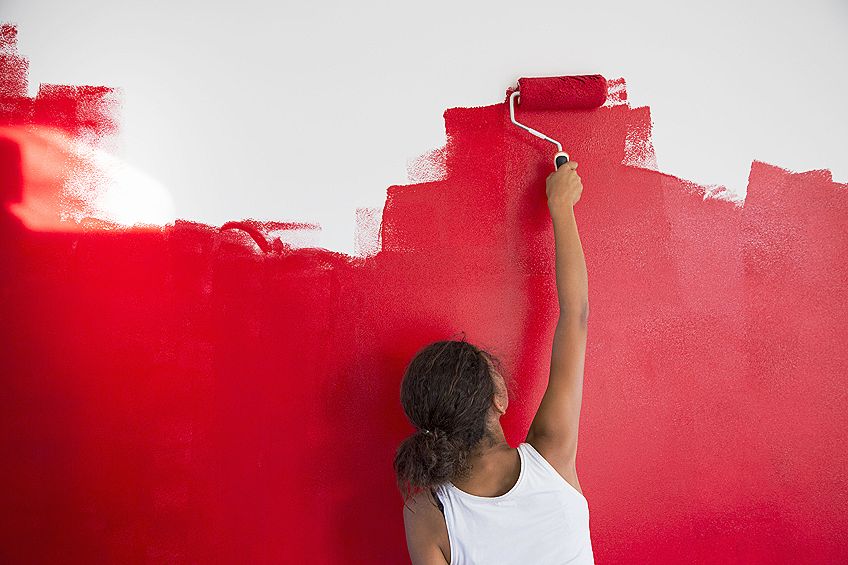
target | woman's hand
x=563, y=187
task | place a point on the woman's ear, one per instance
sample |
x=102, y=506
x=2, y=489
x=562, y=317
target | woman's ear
x=505, y=393
x=501, y=401
x=501, y=397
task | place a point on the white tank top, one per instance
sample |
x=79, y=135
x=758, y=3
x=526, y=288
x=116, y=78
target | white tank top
x=541, y=520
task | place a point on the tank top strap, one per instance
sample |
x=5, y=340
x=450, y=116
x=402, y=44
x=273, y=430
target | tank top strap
x=435, y=492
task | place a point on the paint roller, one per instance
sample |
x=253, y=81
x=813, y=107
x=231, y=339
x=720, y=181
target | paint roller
x=575, y=92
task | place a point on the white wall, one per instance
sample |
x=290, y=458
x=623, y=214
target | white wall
x=234, y=107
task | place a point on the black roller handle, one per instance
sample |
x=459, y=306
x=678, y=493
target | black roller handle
x=560, y=159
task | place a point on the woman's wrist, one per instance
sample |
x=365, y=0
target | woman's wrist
x=560, y=210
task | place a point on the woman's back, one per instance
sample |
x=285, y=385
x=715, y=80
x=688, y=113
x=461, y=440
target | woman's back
x=543, y=519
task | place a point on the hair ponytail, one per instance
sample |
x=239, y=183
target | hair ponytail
x=446, y=392
x=424, y=461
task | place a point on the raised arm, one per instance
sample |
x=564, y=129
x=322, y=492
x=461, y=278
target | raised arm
x=553, y=431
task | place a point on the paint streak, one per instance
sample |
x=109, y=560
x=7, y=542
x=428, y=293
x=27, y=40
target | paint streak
x=177, y=395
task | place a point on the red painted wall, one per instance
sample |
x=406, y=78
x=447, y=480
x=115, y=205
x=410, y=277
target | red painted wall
x=186, y=395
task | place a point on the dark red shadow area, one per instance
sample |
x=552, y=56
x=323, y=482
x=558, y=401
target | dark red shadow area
x=188, y=395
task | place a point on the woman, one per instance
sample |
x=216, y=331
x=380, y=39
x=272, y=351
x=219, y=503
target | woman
x=469, y=496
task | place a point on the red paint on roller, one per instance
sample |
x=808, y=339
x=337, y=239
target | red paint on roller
x=577, y=92
x=177, y=396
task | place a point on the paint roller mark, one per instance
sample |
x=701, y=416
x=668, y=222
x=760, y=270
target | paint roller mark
x=715, y=366
x=429, y=167
x=367, y=237
x=616, y=92
x=638, y=147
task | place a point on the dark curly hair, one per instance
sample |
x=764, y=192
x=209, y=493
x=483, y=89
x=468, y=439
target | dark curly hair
x=446, y=393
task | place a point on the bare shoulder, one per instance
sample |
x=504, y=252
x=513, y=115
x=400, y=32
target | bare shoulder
x=559, y=455
x=426, y=531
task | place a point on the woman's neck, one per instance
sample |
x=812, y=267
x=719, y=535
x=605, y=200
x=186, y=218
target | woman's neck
x=491, y=450
x=494, y=467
